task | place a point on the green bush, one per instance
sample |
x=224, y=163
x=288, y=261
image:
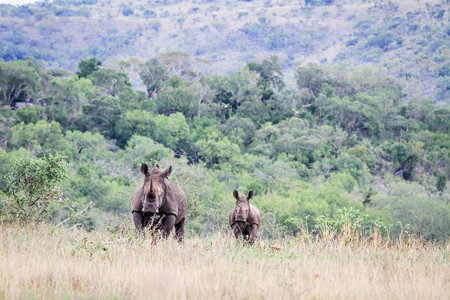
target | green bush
x=409, y=205
x=32, y=185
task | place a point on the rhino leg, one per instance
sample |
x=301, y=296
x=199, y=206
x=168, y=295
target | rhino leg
x=167, y=225
x=179, y=230
x=237, y=231
x=138, y=219
x=253, y=234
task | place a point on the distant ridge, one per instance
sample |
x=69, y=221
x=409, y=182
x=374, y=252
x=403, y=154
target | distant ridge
x=406, y=39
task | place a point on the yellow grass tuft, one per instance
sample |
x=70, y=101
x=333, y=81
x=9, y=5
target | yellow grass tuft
x=41, y=262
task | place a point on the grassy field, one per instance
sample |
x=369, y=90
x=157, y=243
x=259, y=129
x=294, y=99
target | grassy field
x=41, y=262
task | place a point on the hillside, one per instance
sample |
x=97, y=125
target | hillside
x=406, y=39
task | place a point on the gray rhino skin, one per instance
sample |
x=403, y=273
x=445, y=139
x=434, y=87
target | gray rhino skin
x=160, y=203
x=245, y=218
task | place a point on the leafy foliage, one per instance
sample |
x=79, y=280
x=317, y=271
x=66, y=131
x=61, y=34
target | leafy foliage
x=153, y=74
x=88, y=66
x=33, y=185
x=19, y=81
x=352, y=220
x=344, y=149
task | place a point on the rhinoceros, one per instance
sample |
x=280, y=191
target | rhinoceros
x=245, y=218
x=160, y=203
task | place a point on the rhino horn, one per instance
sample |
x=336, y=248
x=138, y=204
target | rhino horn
x=151, y=193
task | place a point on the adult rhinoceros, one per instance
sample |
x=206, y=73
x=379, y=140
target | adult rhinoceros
x=160, y=203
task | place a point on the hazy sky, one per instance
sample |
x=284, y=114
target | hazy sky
x=16, y=1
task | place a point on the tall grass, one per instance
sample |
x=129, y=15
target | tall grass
x=41, y=262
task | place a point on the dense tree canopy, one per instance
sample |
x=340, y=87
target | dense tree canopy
x=338, y=141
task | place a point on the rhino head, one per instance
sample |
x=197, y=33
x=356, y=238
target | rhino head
x=242, y=209
x=154, y=188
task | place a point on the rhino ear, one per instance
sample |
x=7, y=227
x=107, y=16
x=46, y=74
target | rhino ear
x=144, y=169
x=235, y=194
x=167, y=172
x=250, y=195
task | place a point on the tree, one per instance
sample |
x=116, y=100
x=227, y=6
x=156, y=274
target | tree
x=382, y=40
x=404, y=157
x=153, y=74
x=410, y=205
x=65, y=99
x=41, y=137
x=177, y=99
x=204, y=94
x=176, y=62
x=19, y=80
x=442, y=120
x=239, y=130
x=270, y=75
x=100, y=115
x=353, y=117
x=261, y=112
x=110, y=81
x=167, y=130
x=420, y=110
x=7, y=121
x=441, y=182
x=88, y=66
x=310, y=77
x=85, y=146
x=133, y=122
x=140, y=148
x=218, y=151
x=33, y=185
x=232, y=91
x=5, y=165
x=171, y=131
x=265, y=138
x=224, y=90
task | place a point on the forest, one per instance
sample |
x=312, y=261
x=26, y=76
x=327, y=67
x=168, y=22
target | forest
x=343, y=144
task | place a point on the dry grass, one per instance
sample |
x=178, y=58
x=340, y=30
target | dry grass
x=41, y=262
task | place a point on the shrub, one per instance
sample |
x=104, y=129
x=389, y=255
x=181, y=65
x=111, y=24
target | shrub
x=127, y=12
x=33, y=185
x=381, y=41
x=350, y=222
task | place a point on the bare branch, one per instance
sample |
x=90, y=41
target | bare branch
x=75, y=215
x=75, y=226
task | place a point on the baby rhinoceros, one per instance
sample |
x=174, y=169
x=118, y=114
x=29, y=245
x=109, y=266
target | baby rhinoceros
x=245, y=218
x=159, y=203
